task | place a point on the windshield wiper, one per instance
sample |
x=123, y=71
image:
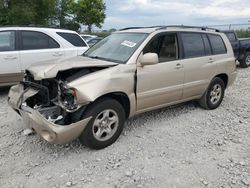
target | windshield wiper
x=106, y=59
x=95, y=57
x=101, y=58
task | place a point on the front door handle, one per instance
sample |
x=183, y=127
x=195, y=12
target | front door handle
x=179, y=66
x=210, y=60
x=10, y=57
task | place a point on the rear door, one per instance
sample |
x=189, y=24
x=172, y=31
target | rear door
x=36, y=47
x=10, y=70
x=198, y=63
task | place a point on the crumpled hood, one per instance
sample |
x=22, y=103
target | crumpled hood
x=49, y=69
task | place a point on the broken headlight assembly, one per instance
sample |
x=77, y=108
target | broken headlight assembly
x=67, y=97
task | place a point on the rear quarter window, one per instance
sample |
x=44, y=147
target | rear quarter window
x=217, y=44
x=73, y=39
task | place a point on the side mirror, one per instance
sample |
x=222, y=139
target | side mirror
x=149, y=59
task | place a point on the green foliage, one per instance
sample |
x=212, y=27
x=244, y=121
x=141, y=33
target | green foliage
x=89, y=12
x=25, y=12
x=43, y=11
x=243, y=33
x=64, y=13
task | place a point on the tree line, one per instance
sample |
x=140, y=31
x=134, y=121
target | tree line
x=60, y=13
x=243, y=33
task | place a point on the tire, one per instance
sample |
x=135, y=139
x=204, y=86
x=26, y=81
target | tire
x=214, y=94
x=103, y=129
x=245, y=62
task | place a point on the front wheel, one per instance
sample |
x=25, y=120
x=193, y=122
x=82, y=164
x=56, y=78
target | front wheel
x=106, y=125
x=244, y=63
x=214, y=95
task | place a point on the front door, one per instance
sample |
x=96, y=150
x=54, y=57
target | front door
x=162, y=83
x=10, y=71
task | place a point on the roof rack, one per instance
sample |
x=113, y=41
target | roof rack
x=204, y=28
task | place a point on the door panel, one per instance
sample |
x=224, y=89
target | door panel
x=162, y=83
x=9, y=62
x=158, y=85
x=198, y=74
x=30, y=57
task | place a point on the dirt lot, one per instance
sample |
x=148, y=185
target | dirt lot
x=181, y=146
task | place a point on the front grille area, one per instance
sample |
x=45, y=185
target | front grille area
x=48, y=90
x=41, y=98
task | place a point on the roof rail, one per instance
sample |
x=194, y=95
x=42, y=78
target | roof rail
x=190, y=27
x=34, y=26
x=127, y=28
x=204, y=28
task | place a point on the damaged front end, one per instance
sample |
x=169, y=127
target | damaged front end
x=50, y=107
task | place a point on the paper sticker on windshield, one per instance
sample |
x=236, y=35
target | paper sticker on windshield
x=128, y=44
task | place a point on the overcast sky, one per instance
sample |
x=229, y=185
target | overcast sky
x=124, y=13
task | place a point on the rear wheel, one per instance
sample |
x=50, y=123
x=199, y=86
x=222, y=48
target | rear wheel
x=214, y=94
x=106, y=125
x=246, y=61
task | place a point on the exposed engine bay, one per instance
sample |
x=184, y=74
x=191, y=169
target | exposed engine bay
x=54, y=100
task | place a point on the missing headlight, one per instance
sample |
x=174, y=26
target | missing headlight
x=67, y=97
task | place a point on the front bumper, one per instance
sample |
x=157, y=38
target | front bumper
x=53, y=133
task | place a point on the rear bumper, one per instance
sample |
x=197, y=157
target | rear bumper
x=35, y=119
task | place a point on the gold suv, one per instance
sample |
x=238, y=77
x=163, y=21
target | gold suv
x=129, y=72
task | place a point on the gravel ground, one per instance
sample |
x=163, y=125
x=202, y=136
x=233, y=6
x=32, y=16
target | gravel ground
x=181, y=146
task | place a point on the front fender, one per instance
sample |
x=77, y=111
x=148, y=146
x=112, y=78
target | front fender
x=120, y=78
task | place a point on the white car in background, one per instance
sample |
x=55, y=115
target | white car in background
x=87, y=37
x=21, y=47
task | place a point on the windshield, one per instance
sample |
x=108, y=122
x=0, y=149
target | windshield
x=117, y=47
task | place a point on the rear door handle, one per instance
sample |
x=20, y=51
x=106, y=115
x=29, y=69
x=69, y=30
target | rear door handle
x=179, y=66
x=10, y=57
x=57, y=54
x=210, y=60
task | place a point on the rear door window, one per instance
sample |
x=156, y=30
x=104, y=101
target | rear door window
x=218, y=46
x=31, y=40
x=7, y=41
x=193, y=45
x=73, y=39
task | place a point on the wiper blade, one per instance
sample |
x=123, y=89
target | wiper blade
x=105, y=59
x=95, y=57
x=98, y=57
